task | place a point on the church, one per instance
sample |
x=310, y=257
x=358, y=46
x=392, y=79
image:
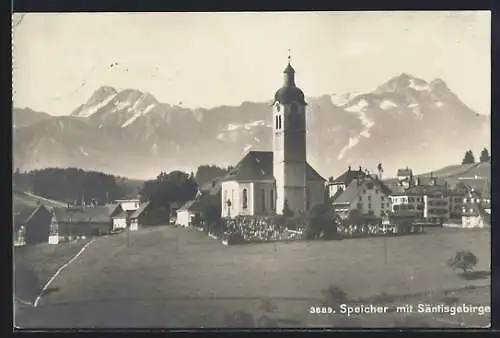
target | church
x=267, y=183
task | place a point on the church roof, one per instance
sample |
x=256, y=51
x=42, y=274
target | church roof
x=348, y=176
x=258, y=165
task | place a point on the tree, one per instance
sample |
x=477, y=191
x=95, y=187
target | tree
x=354, y=217
x=175, y=186
x=71, y=184
x=464, y=260
x=469, y=158
x=212, y=213
x=321, y=220
x=286, y=210
x=207, y=173
x=485, y=156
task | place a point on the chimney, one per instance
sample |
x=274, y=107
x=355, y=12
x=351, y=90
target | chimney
x=349, y=169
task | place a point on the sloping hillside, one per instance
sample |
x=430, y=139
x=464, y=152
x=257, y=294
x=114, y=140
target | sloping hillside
x=463, y=171
x=25, y=202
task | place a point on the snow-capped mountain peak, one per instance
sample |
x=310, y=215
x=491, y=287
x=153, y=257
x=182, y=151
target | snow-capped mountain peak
x=99, y=99
x=123, y=131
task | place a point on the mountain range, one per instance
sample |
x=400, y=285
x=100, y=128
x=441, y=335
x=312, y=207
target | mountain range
x=406, y=121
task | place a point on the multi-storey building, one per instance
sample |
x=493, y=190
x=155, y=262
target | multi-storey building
x=368, y=195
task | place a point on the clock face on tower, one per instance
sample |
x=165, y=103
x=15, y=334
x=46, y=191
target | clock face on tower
x=278, y=107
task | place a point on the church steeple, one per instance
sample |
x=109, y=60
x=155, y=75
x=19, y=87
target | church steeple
x=289, y=78
x=289, y=92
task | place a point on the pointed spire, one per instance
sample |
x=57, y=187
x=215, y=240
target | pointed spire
x=289, y=69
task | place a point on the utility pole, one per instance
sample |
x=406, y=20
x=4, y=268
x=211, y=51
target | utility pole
x=70, y=230
x=385, y=249
x=128, y=235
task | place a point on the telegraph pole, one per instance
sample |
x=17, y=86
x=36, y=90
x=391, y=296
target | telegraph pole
x=128, y=235
x=385, y=249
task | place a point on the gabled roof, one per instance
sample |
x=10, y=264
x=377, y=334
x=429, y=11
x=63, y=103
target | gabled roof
x=258, y=165
x=213, y=187
x=405, y=172
x=21, y=217
x=96, y=214
x=348, y=176
x=349, y=194
x=124, y=214
x=199, y=204
x=481, y=186
x=427, y=190
x=353, y=190
x=337, y=194
x=425, y=180
x=139, y=211
x=114, y=209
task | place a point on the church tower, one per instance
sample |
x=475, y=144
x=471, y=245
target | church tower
x=289, y=145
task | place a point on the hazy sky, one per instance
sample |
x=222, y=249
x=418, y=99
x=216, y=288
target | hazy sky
x=209, y=59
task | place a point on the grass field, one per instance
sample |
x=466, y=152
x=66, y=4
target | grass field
x=176, y=277
x=34, y=265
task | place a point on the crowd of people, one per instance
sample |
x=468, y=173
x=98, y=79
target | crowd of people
x=261, y=229
x=257, y=229
x=354, y=230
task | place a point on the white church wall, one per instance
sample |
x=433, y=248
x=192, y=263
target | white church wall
x=234, y=192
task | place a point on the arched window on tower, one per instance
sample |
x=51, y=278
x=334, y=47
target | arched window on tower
x=279, y=122
x=245, y=198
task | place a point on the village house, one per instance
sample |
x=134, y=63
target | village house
x=429, y=197
x=32, y=226
x=121, y=220
x=208, y=195
x=338, y=185
x=147, y=215
x=367, y=194
x=476, y=212
x=281, y=180
x=405, y=177
x=73, y=222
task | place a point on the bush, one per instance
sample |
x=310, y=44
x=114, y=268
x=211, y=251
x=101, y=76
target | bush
x=321, y=222
x=464, y=260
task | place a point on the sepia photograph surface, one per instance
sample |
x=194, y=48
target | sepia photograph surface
x=251, y=170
